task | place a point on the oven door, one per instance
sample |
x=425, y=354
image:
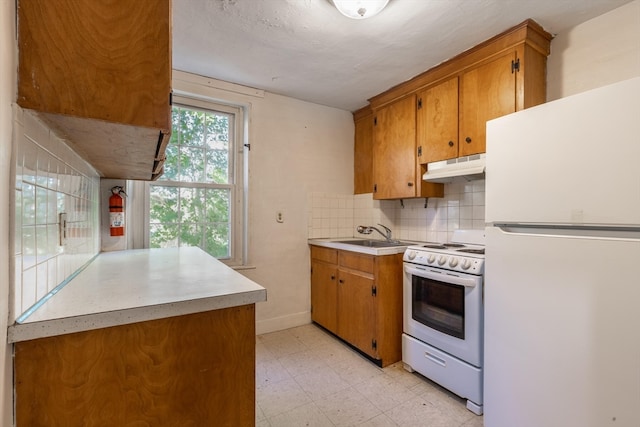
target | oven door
x=444, y=309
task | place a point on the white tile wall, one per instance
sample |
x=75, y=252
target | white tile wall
x=50, y=178
x=337, y=215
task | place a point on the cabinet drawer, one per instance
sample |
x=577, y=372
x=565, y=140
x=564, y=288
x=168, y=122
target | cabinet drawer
x=324, y=254
x=356, y=261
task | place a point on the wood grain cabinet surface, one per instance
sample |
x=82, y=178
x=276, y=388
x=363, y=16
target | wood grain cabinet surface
x=358, y=297
x=99, y=73
x=363, y=151
x=442, y=113
x=191, y=370
x=396, y=168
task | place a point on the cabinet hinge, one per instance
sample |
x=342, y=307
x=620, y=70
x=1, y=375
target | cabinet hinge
x=515, y=65
x=374, y=290
x=375, y=121
x=374, y=344
x=170, y=98
x=375, y=188
x=419, y=103
x=420, y=151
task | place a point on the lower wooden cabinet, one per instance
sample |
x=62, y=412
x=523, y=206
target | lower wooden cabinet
x=191, y=370
x=358, y=297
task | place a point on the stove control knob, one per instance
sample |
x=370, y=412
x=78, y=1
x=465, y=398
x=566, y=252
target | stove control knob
x=431, y=259
x=466, y=264
x=412, y=255
x=442, y=260
x=453, y=262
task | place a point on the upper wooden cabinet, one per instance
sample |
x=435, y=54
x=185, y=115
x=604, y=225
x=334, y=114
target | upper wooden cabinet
x=438, y=121
x=99, y=73
x=363, y=151
x=452, y=103
x=452, y=115
x=486, y=92
x=396, y=170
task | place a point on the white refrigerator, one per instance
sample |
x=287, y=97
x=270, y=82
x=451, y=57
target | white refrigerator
x=562, y=282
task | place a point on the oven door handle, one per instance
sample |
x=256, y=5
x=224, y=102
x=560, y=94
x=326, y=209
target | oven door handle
x=441, y=276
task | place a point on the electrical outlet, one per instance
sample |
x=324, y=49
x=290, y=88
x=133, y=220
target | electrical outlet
x=279, y=217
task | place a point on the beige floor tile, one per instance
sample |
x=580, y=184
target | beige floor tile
x=321, y=383
x=312, y=336
x=283, y=396
x=270, y=371
x=385, y=392
x=308, y=415
x=447, y=402
x=303, y=362
x=358, y=371
x=380, y=421
x=281, y=344
x=348, y=408
x=476, y=421
x=307, y=377
x=419, y=412
x=263, y=423
x=259, y=413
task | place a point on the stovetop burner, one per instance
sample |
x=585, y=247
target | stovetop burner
x=465, y=253
x=443, y=245
x=472, y=251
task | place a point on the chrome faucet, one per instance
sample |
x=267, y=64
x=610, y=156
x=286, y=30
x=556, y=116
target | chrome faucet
x=367, y=229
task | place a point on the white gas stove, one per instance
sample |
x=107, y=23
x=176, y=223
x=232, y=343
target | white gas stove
x=465, y=253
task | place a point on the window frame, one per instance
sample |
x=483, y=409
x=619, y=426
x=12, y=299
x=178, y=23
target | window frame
x=239, y=185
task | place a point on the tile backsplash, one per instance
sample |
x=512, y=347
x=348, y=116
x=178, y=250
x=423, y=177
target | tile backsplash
x=50, y=179
x=337, y=215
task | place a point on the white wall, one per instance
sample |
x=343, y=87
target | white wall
x=7, y=96
x=296, y=148
x=595, y=53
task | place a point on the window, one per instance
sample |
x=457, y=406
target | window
x=198, y=200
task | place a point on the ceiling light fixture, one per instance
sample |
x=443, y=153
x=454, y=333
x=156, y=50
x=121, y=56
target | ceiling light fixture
x=360, y=9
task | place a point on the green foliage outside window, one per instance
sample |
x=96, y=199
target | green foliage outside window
x=190, y=205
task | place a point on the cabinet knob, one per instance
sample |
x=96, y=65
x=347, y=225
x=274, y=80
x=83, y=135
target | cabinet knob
x=468, y=139
x=450, y=143
x=340, y=281
x=333, y=277
x=409, y=184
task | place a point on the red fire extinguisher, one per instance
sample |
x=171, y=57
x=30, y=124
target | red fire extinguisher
x=116, y=211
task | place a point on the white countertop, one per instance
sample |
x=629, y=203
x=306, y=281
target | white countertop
x=131, y=286
x=334, y=243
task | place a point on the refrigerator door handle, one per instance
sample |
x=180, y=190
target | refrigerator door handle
x=631, y=232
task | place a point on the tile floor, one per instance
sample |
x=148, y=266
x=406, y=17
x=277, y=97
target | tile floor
x=307, y=377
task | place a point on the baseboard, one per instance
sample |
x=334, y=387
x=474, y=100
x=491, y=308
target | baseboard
x=265, y=326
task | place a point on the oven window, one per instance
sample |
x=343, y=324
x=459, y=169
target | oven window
x=438, y=305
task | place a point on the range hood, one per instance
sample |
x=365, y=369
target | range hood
x=468, y=168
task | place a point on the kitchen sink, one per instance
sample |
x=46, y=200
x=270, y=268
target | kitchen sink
x=372, y=243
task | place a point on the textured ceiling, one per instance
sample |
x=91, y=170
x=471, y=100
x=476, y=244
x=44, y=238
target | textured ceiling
x=306, y=49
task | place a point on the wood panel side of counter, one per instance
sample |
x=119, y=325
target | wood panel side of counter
x=190, y=370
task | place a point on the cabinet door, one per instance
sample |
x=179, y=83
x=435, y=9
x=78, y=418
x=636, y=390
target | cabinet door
x=394, y=152
x=356, y=314
x=438, y=122
x=324, y=297
x=486, y=92
x=363, y=155
x=109, y=61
